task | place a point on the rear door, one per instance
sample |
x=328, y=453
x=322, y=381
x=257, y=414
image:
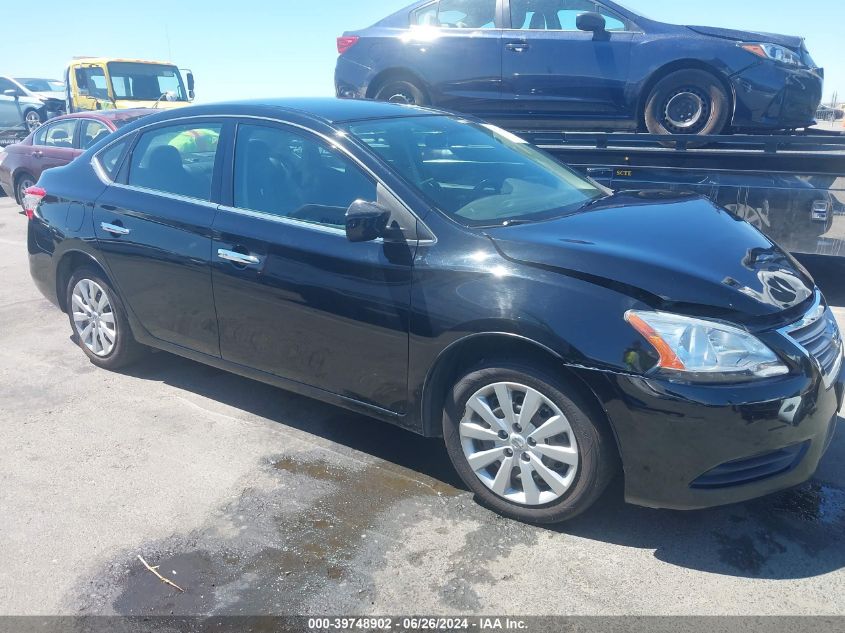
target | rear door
x=56, y=145
x=294, y=297
x=154, y=228
x=455, y=45
x=553, y=71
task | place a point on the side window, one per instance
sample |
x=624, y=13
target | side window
x=291, y=175
x=40, y=137
x=457, y=14
x=559, y=15
x=109, y=159
x=60, y=134
x=91, y=82
x=5, y=85
x=177, y=159
x=92, y=132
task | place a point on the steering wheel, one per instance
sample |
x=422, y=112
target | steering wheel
x=432, y=185
x=493, y=186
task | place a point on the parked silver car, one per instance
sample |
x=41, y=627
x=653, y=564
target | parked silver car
x=18, y=110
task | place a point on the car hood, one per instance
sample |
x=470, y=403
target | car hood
x=49, y=95
x=668, y=250
x=790, y=41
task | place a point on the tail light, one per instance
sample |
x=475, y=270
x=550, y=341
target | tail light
x=346, y=42
x=32, y=197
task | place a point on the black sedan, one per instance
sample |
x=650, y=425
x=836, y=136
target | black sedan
x=443, y=275
x=528, y=64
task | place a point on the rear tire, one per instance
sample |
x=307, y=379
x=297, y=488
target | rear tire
x=564, y=446
x=98, y=320
x=403, y=92
x=688, y=102
x=23, y=182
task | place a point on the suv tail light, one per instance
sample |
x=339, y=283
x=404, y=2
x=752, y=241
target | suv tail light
x=346, y=42
x=32, y=197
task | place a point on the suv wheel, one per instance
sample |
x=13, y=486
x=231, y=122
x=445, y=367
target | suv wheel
x=527, y=444
x=687, y=102
x=99, y=321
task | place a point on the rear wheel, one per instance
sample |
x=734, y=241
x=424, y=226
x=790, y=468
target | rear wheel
x=527, y=444
x=687, y=102
x=32, y=120
x=401, y=91
x=98, y=320
x=24, y=182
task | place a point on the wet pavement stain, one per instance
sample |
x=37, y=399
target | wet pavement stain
x=241, y=575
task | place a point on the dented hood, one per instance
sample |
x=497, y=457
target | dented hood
x=666, y=249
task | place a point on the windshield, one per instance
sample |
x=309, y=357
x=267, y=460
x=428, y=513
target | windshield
x=146, y=82
x=42, y=85
x=478, y=174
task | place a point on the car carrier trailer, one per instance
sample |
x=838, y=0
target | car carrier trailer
x=791, y=187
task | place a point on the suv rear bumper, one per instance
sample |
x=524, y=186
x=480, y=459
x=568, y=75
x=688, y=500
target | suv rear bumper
x=687, y=447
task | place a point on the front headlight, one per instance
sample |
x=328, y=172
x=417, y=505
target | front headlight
x=698, y=350
x=773, y=51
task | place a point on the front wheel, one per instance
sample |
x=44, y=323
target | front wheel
x=687, y=102
x=32, y=120
x=527, y=444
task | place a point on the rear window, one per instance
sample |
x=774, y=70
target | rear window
x=457, y=14
x=110, y=158
x=177, y=159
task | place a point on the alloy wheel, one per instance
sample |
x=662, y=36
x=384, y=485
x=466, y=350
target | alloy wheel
x=32, y=120
x=402, y=98
x=94, y=317
x=519, y=444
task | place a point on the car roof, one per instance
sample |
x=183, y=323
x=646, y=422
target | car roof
x=325, y=109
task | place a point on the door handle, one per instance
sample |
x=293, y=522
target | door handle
x=38, y=154
x=238, y=258
x=518, y=47
x=114, y=229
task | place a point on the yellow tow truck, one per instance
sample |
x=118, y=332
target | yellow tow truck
x=99, y=83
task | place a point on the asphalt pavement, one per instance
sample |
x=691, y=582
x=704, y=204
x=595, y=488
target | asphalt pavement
x=257, y=501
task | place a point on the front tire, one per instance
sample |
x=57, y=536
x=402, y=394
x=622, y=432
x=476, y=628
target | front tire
x=688, y=102
x=32, y=120
x=527, y=444
x=98, y=320
x=402, y=92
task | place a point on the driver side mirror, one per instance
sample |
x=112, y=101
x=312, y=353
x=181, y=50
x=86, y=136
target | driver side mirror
x=366, y=221
x=11, y=92
x=591, y=21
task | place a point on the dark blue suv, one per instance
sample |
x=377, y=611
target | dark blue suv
x=529, y=64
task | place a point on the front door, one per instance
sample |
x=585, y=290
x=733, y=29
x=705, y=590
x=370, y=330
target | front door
x=554, y=72
x=154, y=229
x=90, y=89
x=11, y=115
x=294, y=297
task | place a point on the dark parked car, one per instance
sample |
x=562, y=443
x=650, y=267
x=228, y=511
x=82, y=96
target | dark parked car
x=57, y=144
x=579, y=63
x=442, y=275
